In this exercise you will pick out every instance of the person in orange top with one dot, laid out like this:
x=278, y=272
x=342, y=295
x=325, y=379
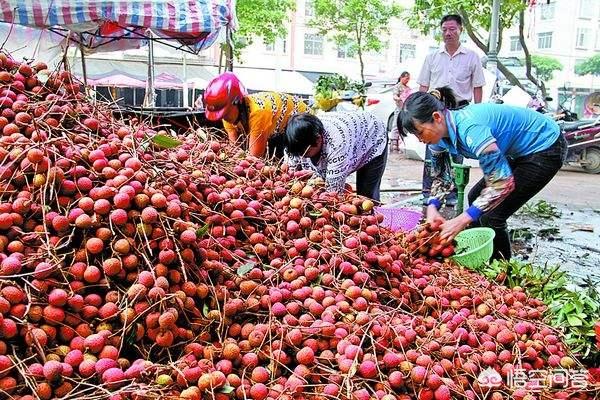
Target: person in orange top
x=259, y=118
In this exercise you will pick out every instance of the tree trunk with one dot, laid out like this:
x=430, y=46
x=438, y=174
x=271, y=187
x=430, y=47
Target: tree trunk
x=360, y=53
x=539, y=83
x=362, y=65
x=501, y=67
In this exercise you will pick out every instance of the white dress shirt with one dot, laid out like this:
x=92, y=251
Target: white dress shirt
x=461, y=72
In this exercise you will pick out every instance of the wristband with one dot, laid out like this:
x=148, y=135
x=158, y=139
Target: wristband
x=474, y=212
x=435, y=202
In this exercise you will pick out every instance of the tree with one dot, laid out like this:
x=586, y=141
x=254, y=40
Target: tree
x=356, y=25
x=425, y=16
x=265, y=19
x=590, y=66
x=545, y=66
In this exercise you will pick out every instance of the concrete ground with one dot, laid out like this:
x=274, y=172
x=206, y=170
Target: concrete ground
x=571, y=186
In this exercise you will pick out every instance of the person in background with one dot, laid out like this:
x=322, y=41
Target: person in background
x=336, y=144
x=259, y=118
x=457, y=67
x=519, y=151
x=400, y=93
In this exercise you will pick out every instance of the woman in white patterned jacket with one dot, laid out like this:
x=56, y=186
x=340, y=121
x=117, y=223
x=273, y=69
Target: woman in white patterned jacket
x=335, y=145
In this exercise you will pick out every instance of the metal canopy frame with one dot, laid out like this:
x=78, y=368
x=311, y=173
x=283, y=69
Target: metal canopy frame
x=137, y=35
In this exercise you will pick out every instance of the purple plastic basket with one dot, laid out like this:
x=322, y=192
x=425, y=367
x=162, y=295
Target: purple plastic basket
x=400, y=219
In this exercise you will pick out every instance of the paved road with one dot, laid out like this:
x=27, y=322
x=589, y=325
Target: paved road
x=571, y=186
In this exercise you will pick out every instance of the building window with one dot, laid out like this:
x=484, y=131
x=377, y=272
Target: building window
x=585, y=9
x=407, y=52
x=515, y=43
x=313, y=44
x=598, y=40
x=545, y=40
x=583, y=38
x=279, y=46
x=547, y=11
x=578, y=62
x=345, y=52
x=309, y=8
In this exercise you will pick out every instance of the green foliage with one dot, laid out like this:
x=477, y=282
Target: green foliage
x=540, y=209
x=329, y=87
x=264, y=19
x=545, y=66
x=573, y=311
x=590, y=66
x=425, y=15
x=357, y=25
x=165, y=141
x=577, y=312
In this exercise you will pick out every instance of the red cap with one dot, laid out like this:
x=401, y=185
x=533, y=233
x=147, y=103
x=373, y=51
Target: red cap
x=222, y=93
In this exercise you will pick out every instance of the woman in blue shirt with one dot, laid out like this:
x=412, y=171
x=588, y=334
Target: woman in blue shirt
x=519, y=152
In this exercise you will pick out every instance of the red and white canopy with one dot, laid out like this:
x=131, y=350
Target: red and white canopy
x=195, y=25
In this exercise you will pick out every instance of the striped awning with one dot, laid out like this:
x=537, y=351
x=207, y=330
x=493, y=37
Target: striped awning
x=195, y=25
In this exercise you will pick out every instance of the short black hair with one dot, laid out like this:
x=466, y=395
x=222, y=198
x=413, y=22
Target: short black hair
x=452, y=17
x=302, y=132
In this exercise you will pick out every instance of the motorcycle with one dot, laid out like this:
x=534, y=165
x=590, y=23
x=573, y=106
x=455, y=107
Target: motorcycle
x=582, y=136
x=583, y=139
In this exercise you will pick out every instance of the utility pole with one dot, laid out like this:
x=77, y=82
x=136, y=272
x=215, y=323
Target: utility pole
x=150, y=98
x=494, y=33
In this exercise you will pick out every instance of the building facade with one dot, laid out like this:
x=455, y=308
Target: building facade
x=568, y=30
x=303, y=49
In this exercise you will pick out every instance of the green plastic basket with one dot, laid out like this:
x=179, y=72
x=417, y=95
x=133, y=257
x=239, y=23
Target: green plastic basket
x=475, y=247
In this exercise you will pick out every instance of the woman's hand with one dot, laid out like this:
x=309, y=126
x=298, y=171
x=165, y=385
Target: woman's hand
x=454, y=226
x=434, y=215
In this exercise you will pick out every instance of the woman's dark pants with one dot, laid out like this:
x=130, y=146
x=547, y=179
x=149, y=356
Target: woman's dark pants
x=368, y=178
x=531, y=174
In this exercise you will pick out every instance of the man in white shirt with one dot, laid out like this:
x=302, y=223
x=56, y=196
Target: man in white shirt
x=454, y=66
x=336, y=144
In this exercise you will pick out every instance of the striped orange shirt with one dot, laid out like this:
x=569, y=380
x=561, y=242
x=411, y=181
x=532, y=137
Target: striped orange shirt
x=268, y=115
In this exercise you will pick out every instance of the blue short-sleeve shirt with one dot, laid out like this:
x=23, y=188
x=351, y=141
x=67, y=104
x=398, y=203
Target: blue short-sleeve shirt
x=516, y=131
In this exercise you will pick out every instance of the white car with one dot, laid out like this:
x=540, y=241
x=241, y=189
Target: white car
x=381, y=103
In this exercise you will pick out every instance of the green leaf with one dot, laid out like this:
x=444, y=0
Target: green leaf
x=165, y=141
x=317, y=281
x=578, y=306
x=261, y=20
x=574, y=320
x=568, y=308
x=227, y=389
x=245, y=268
x=200, y=232
x=205, y=309
x=131, y=336
x=590, y=66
